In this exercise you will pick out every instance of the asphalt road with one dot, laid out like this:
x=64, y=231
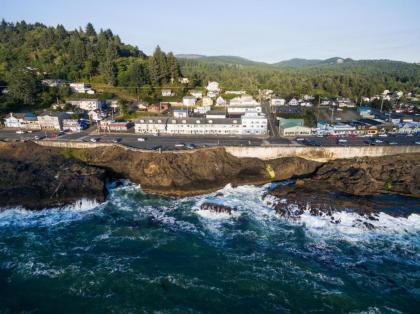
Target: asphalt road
x=181, y=142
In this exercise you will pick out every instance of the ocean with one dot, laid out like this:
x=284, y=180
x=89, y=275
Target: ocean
x=140, y=253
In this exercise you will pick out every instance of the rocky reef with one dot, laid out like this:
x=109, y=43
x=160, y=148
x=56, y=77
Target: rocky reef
x=356, y=185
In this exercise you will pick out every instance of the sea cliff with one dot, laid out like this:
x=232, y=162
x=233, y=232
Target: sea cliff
x=36, y=176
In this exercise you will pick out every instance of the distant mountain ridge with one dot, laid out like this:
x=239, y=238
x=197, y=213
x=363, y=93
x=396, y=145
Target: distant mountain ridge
x=291, y=63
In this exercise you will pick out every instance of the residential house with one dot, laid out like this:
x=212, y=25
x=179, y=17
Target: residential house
x=212, y=94
x=254, y=123
x=189, y=100
x=220, y=101
x=235, y=92
x=197, y=94
x=12, y=121
x=162, y=107
x=213, y=87
x=293, y=102
x=202, y=109
x=52, y=121
x=180, y=113
x=53, y=82
x=114, y=126
x=81, y=88
x=167, y=93
x=207, y=101
x=86, y=104
x=274, y=102
x=293, y=127
x=183, y=80
x=345, y=103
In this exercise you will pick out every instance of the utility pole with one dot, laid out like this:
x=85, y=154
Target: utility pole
x=382, y=103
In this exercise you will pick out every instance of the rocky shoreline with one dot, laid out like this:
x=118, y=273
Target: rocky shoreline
x=37, y=177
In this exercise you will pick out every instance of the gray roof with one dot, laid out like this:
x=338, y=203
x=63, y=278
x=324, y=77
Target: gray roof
x=145, y=120
x=204, y=121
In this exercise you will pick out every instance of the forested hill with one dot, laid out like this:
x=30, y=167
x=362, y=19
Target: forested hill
x=76, y=55
x=331, y=77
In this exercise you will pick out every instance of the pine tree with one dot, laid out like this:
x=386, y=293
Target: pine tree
x=173, y=66
x=108, y=66
x=90, y=30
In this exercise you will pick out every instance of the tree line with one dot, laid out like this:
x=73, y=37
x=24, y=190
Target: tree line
x=30, y=52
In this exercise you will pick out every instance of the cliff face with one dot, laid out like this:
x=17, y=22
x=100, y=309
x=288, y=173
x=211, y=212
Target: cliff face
x=36, y=177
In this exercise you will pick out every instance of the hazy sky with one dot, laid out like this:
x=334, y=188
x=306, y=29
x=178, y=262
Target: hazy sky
x=263, y=30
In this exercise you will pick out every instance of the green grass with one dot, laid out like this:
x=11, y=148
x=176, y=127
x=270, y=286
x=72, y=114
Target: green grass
x=74, y=153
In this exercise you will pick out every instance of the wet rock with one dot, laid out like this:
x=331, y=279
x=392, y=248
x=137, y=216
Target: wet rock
x=217, y=208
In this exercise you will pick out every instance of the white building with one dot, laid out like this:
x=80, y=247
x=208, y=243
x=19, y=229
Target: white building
x=71, y=125
x=180, y=113
x=254, y=124
x=184, y=80
x=220, y=101
x=235, y=92
x=151, y=125
x=213, y=87
x=189, y=100
x=196, y=93
x=207, y=101
x=167, y=93
x=215, y=115
x=81, y=88
x=242, y=109
x=296, y=131
x=275, y=102
x=52, y=121
x=202, y=109
x=86, y=104
x=12, y=122
x=243, y=100
x=293, y=102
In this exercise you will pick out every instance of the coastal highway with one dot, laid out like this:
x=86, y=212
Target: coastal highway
x=180, y=142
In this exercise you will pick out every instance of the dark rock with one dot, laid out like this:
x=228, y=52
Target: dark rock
x=217, y=208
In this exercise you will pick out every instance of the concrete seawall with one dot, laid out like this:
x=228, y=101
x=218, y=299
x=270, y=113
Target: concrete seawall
x=320, y=153
x=271, y=152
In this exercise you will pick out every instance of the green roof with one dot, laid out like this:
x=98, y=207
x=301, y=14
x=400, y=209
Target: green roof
x=288, y=123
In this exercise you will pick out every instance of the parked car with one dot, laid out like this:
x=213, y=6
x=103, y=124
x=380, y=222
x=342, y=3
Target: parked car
x=378, y=141
x=20, y=132
x=116, y=140
x=393, y=143
x=300, y=139
x=179, y=145
x=158, y=147
x=141, y=139
x=191, y=146
x=342, y=140
x=94, y=140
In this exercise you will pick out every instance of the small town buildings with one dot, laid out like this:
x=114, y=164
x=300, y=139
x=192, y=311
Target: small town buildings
x=293, y=102
x=207, y=101
x=151, y=125
x=220, y=101
x=53, y=82
x=52, y=121
x=189, y=101
x=184, y=80
x=235, y=92
x=242, y=109
x=86, y=104
x=114, y=126
x=30, y=122
x=212, y=94
x=202, y=109
x=345, y=103
x=12, y=121
x=161, y=107
x=305, y=104
x=254, y=123
x=95, y=115
x=180, y=113
x=215, y=115
x=75, y=125
x=81, y=88
x=243, y=100
x=274, y=102
x=167, y=93
x=293, y=127
x=197, y=94
x=365, y=112
x=213, y=87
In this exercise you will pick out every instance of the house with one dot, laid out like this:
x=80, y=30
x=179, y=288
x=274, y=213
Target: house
x=53, y=82
x=52, y=121
x=81, y=88
x=207, y=101
x=202, y=109
x=266, y=93
x=189, y=100
x=30, y=122
x=365, y=99
x=243, y=100
x=345, y=103
x=213, y=87
x=254, y=123
x=167, y=93
x=235, y=92
x=180, y=113
x=293, y=102
x=141, y=106
x=274, y=102
x=242, y=109
x=150, y=125
x=115, y=126
x=75, y=125
x=95, y=115
x=161, y=107
x=183, y=80
x=86, y=104
x=12, y=121
x=212, y=94
x=220, y=101
x=197, y=93
x=215, y=115
x=306, y=104
x=293, y=127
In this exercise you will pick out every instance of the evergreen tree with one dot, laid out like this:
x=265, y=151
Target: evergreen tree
x=173, y=67
x=108, y=66
x=24, y=86
x=90, y=30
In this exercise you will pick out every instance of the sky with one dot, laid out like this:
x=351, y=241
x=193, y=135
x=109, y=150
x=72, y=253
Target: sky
x=261, y=30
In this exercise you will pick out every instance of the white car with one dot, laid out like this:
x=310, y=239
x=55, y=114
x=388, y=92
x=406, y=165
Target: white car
x=393, y=143
x=383, y=135
x=342, y=140
x=378, y=141
x=20, y=132
x=179, y=145
x=93, y=140
x=300, y=139
x=141, y=139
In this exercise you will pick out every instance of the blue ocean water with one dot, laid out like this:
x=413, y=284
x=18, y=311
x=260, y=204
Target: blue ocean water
x=138, y=253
